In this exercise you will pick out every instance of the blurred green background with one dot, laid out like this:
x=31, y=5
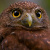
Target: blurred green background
x=43, y=3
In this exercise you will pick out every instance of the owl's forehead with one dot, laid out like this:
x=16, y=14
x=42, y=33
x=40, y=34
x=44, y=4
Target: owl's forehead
x=24, y=5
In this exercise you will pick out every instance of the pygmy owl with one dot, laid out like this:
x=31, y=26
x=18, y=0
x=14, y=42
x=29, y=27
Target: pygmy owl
x=24, y=26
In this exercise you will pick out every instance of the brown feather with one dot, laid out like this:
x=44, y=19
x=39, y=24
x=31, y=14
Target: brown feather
x=18, y=38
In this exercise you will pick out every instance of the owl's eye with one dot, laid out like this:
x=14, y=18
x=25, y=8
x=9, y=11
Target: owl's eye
x=38, y=14
x=16, y=14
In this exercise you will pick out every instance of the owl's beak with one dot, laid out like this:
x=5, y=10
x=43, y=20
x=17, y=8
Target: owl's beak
x=29, y=19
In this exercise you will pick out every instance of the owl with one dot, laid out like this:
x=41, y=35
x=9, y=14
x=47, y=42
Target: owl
x=24, y=26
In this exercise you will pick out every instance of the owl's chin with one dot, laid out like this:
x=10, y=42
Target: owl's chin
x=26, y=27
x=31, y=28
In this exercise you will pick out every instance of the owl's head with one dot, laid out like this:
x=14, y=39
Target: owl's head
x=26, y=15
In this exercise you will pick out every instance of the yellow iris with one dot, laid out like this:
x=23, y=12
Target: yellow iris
x=40, y=15
x=16, y=14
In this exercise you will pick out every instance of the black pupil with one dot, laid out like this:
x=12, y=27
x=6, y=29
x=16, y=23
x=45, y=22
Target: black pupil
x=38, y=14
x=16, y=13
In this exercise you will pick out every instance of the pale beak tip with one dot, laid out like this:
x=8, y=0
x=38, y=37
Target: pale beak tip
x=30, y=24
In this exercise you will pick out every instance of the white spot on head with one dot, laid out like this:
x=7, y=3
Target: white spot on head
x=25, y=2
x=22, y=2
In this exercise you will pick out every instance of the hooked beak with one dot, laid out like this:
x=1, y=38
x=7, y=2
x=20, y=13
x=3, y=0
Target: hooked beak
x=29, y=19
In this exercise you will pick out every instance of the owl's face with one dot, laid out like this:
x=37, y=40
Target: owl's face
x=26, y=15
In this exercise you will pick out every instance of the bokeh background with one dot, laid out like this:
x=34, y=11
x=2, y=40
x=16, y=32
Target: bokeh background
x=43, y=3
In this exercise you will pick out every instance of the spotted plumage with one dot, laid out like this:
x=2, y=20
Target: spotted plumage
x=24, y=26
